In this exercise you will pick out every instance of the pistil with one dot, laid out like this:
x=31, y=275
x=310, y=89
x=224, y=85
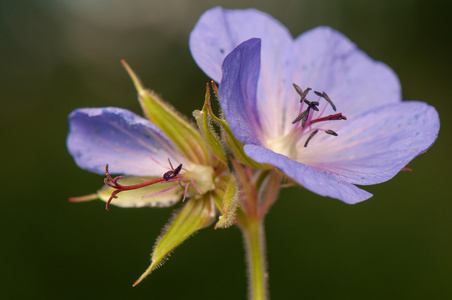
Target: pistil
x=170, y=176
x=334, y=117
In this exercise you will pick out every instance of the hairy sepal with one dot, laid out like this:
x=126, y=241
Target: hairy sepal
x=229, y=193
x=181, y=132
x=196, y=214
x=234, y=145
x=204, y=122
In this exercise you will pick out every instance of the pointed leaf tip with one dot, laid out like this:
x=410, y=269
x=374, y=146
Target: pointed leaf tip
x=136, y=81
x=146, y=273
x=195, y=215
x=208, y=133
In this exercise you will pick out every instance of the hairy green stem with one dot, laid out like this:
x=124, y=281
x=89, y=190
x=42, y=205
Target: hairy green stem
x=254, y=238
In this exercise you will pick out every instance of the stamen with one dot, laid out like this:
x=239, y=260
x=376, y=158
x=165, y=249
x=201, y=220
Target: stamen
x=298, y=89
x=310, y=137
x=169, y=173
x=303, y=116
x=171, y=165
x=185, y=192
x=160, y=192
x=172, y=173
x=300, y=92
x=303, y=123
x=325, y=96
x=308, y=119
x=194, y=185
x=312, y=104
x=329, y=131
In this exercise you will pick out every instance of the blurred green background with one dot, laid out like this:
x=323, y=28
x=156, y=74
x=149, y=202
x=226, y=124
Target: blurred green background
x=60, y=55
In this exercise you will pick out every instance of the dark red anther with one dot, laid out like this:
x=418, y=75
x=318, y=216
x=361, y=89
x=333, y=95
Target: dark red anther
x=173, y=173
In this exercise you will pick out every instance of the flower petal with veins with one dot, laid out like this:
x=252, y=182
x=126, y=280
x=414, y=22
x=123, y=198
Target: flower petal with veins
x=130, y=144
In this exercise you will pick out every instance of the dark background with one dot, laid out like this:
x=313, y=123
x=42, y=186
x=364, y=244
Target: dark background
x=56, y=56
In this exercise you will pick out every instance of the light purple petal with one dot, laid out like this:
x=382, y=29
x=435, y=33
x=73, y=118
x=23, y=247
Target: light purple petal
x=218, y=31
x=319, y=182
x=238, y=91
x=128, y=143
x=375, y=146
x=326, y=60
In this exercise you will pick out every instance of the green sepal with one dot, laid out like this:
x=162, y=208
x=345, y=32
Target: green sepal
x=203, y=121
x=181, y=132
x=196, y=214
x=235, y=145
x=228, y=192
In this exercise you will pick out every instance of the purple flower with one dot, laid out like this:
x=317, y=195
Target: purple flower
x=257, y=62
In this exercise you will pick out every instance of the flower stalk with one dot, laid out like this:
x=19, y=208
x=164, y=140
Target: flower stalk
x=254, y=240
x=259, y=192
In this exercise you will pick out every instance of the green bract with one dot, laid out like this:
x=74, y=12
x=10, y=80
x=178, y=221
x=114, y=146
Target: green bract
x=195, y=215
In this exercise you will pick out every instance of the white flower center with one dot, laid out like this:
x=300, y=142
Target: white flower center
x=203, y=176
x=283, y=145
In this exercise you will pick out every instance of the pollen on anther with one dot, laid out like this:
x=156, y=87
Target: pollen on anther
x=303, y=116
x=329, y=131
x=172, y=173
x=301, y=93
x=325, y=96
